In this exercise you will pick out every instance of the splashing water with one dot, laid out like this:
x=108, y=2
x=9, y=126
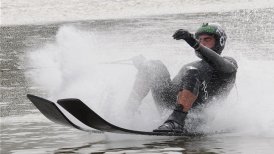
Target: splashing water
x=249, y=109
x=72, y=67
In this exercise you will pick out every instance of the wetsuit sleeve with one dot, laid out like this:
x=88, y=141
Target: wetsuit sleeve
x=222, y=64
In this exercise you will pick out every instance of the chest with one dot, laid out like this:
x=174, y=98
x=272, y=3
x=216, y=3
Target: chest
x=220, y=83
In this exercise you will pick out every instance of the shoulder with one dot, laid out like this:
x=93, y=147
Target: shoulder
x=232, y=60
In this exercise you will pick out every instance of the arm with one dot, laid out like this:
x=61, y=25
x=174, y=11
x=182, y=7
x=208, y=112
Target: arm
x=215, y=60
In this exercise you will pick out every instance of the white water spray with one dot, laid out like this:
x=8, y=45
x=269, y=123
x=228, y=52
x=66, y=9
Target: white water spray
x=249, y=109
x=71, y=67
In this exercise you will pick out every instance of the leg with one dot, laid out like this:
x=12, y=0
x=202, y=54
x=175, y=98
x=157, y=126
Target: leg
x=186, y=97
x=139, y=91
x=190, y=89
x=162, y=89
x=154, y=76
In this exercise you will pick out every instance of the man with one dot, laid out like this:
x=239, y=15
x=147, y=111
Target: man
x=196, y=83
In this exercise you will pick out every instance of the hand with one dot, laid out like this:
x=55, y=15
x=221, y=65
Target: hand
x=182, y=34
x=187, y=36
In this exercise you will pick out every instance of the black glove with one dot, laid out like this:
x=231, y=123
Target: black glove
x=188, y=37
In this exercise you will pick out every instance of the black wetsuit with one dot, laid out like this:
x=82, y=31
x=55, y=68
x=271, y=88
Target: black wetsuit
x=209, y=78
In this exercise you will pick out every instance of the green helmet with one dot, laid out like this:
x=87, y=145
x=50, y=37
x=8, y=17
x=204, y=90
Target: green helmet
x=217, y=31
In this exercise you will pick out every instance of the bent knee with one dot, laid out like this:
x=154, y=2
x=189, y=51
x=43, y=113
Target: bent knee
x=191, y=71
x=157, y=69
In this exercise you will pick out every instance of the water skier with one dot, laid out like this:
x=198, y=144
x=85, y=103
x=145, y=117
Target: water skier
x=196, y=83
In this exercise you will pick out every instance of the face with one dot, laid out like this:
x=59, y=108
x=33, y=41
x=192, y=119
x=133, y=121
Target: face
x=207, y=40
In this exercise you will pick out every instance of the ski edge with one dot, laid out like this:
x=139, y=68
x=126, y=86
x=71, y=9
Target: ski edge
x=89, y=117
x=55, y=115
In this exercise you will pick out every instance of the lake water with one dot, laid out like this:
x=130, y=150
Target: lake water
x=62, y=49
